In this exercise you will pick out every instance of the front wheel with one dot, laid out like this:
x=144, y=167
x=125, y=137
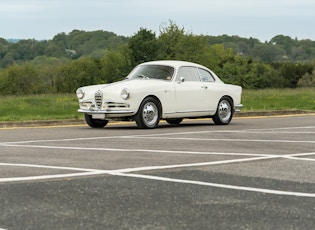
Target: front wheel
x=224, y=113
x=149, y=114
x=95, y=123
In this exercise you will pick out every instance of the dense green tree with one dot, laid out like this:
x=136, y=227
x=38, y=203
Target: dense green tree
x=3, y=47
x=169, y=40
x=284, y=42
x=53, y=50
x=116, y=65
x=264, y=76
x=7, y=60
x=267, y=53
x=19, y=80
x=81, y=72
x=215, y=56
x=191, y=48
x=238, y=71
x=292, y=72
x=48, y=68
x=82, y=58
x=143, y=46
x=307, y=80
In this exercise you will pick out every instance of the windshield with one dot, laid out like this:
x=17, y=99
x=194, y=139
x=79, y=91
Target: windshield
x=152, y=72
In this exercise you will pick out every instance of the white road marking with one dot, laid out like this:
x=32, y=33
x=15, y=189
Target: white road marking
x=122, y=172
x=127, y=171
x=133, y=150
x=149, y=168
x=48, y=167
x=83, y=172
x=168, y=134
x=227, y=140
x=234, y=187
x=47, y=177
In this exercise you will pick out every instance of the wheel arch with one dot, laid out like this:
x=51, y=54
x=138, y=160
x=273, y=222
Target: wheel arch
x=230, y=98
x=158, y=101
x=224, y=112
x=145, y=116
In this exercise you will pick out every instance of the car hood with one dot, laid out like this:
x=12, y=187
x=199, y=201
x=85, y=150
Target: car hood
x=134, y=83
x=112, y=90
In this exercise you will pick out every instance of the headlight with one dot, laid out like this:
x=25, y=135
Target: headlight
x=125, y=94
x=80, y=93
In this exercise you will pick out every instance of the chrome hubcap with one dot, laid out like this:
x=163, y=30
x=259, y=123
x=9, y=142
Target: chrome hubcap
x=225, y=111
x=150, y=113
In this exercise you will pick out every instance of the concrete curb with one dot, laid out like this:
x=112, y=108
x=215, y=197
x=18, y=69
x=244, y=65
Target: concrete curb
x=8, y=124
x=273, y=113
x=36, y=123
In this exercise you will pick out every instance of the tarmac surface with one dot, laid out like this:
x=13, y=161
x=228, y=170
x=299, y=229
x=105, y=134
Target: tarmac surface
x=256, y=173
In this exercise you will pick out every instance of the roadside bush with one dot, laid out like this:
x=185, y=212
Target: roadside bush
x=21, y=80
x=85, y=71
x=308, y=80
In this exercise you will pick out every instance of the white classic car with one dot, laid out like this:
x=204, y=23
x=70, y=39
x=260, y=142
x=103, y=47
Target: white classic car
x=170, y=90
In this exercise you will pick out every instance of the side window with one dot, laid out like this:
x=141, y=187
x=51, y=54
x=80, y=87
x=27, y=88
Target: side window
x=189, y=73
x=205, y=75
x=162, y=74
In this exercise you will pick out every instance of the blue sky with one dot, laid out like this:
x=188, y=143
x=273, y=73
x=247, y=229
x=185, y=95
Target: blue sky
x=261, y=19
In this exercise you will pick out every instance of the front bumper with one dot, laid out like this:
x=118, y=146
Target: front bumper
x=109, y=108
x=122, y=112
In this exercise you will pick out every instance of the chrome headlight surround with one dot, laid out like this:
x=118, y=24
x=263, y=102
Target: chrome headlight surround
x=125, y=93
x=80, y=93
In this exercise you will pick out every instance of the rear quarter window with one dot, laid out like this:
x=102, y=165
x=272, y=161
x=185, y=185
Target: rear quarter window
x=205, y=75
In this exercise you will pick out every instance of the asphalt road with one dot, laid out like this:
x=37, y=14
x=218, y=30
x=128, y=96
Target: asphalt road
x=256, y=173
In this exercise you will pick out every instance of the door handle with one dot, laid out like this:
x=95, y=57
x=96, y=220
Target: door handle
x=204, y=87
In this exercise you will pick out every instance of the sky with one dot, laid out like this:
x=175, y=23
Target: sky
x=261, y=19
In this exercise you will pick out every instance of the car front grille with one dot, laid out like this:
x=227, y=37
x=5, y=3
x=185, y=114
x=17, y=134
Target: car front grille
x=115, y=105
x=98, y=99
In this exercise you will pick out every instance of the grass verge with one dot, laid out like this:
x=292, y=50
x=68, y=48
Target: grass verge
x=64, y=106
x=39, y=107
x=279, y=99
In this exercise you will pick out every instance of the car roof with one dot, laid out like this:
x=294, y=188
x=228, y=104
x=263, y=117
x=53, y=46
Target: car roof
x=177, y=64
x=173, y=63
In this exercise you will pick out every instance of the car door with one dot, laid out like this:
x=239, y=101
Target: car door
x=213, y=90
x=192, y=95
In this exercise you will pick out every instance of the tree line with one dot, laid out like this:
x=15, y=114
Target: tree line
x=69, y=61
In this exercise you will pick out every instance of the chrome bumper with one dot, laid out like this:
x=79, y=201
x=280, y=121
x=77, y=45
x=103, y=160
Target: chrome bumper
x=237, y=108
x=105, y=111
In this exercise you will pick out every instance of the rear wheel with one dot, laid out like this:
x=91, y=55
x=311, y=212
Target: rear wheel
x=224, y=112
x=149, y=113
x=174, y=121
x=95, y=123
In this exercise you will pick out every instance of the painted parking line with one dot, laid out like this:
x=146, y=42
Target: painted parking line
x=130, y=172
x=154, y=136
x=228, y=140
x=126, y=173
x=82, y=172
x=208, y=184
x=262, y=131
x=133, y=150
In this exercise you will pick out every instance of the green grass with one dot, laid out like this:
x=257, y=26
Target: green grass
x=279, y=99
x=39, y=107
x=64, y=106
